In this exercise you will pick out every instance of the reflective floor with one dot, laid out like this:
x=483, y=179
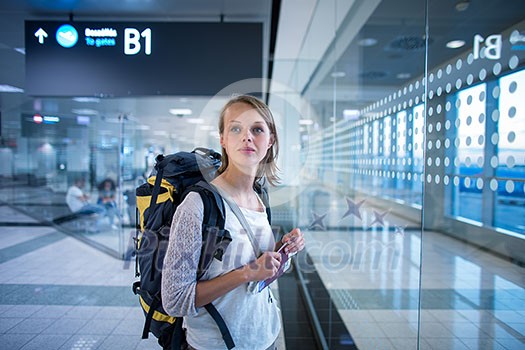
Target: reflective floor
x=57, y=292
x=470, y=299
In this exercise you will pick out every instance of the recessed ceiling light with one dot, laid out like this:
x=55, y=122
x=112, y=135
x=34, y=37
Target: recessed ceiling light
x=367, y=42
x=403, y=76
x=305, y=122
x=351, y=114
x=83, y=120
x=338, y=74
x=86, y=99
x=9, y=88
x=180, y=111
x=194, y=120
x=455, y=44
x=462, y=5
x=85, y=111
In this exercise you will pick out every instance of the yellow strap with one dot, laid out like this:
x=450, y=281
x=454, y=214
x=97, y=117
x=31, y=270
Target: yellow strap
x=157, y=316
x=163, y=183
x=143, y=202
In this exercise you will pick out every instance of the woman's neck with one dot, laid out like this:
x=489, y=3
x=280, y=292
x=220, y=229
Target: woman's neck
x=236, y=181
x=239, y=186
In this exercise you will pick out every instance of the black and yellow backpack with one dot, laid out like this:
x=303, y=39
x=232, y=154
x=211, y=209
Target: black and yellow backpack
x=174, y=176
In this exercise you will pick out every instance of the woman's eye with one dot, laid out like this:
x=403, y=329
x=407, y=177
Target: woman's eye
x=258, y=130
x=235, y=129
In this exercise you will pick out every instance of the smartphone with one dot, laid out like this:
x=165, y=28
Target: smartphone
x=281, y=249
x=284, y=266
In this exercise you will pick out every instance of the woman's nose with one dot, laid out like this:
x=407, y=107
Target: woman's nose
x=247, y=136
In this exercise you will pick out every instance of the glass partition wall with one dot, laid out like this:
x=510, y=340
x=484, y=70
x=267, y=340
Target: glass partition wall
x=402, y=155
x=53, y=144
x=472, y=286
x=409, y=182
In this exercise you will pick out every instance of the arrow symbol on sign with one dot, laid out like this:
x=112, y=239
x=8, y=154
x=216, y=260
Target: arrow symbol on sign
x=41, y=34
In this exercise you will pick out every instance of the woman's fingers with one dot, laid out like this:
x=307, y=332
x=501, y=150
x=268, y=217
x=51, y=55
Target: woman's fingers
x=295, y=241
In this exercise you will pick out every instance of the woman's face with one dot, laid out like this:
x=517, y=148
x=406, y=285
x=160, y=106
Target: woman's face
x=246, y=137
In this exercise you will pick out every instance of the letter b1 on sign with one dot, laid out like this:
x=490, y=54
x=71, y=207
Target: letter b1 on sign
x=132, y=44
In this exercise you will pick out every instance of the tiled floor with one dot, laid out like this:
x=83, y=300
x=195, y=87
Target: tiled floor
x=377, y=282
x=57, y=292
x=469, y=299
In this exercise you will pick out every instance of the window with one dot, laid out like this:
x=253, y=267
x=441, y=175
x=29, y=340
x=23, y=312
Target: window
x=510, y=160
x=469, y=142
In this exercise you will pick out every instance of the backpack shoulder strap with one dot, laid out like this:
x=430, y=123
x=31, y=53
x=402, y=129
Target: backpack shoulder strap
x=262, y=191
x=214, y=211
x=214, y=237
x=160, y=164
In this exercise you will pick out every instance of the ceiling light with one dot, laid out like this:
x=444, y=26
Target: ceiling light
x=338, y=74
x=85, y=111
x=21, y=50
x=86, y=99
x=306, y=122
x=195, y=120
x=83, y=120
x=351, y=114
x=367, y=42
x=180, y=111
x=9, y=88
x=207, y=127
x=455, y=44
x=462, y=5
x=403, y=76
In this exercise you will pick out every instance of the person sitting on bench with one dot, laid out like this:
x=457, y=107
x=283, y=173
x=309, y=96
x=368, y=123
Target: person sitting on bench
x=78, y=201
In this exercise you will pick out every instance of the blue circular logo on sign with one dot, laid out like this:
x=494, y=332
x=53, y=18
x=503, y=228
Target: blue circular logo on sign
x=67, y=36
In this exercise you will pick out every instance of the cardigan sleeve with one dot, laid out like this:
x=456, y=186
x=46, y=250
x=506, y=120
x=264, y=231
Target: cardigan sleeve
x=179, y=272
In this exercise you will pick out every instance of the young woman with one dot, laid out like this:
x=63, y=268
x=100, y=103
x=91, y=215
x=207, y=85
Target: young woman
x=249, y=149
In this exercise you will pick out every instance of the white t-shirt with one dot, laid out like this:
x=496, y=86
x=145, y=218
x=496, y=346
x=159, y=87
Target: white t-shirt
x=73, y=198
x=252, y=319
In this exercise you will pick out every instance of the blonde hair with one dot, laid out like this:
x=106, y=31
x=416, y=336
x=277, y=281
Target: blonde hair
x=267, y=167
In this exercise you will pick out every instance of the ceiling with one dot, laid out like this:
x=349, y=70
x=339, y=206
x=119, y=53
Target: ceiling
x=397, y=55
x=150, y=114
x=309, y=57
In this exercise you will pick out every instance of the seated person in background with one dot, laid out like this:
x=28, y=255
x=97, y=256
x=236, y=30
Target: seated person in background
x=78, y=201
x=106, y=198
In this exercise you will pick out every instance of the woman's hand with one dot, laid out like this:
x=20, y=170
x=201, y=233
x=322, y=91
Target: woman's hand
x=264, y=267
x=294, y=240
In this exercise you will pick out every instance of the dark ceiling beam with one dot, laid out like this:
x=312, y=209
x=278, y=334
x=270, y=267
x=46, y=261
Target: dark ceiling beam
x=274, y=24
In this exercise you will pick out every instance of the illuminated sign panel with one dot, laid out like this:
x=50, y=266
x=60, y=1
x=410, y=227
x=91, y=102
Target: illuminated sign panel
x=136, y=58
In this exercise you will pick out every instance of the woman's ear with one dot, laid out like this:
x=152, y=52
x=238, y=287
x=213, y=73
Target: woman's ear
x=272, y=140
